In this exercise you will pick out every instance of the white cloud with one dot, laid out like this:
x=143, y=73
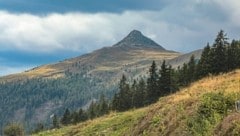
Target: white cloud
x=181, y=28
x=6, y=70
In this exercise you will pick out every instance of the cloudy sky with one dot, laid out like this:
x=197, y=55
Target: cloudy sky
x=36, y=32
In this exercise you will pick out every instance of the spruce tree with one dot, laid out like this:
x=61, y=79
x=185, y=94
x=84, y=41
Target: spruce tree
x=191, y=70
x=134, y=93
x=152, y=84
x=141, y=94
x=203, y=66
x=92, y=110
x=164, y=82
x=182, y=75
x=124, y=95
x=55, y=121
x=115, y=102
x=232, y=56
x=66, y=119
x=123, y=99
x=103, y=105
x=75, y=118
x=82, y=115
x=218, y=54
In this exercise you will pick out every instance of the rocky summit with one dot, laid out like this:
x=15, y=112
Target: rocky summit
x=136, y=39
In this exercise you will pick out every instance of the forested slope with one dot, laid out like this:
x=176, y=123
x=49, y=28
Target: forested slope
x=206, y=107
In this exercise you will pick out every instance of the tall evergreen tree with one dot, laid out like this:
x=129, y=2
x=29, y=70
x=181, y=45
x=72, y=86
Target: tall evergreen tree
x=55, y=121
x=164, y=82
x=92, y=110
x=134, y=93
x=124, y=95
x=203, y=66
x=115, y=102
x=218, y=54
x=66, y=119
x=103, y=105
x=140, y=97
x=152, y=84
x=75, y=117
x=191, y=70
x=182, y=75
x=82, y=115
x=232, y=56
x=123, y=99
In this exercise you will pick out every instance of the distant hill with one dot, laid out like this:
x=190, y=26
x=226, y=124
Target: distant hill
x=34, y=95
x=178, y=61
x=194, y=110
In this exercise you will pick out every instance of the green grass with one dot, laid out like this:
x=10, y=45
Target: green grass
x=114, y=124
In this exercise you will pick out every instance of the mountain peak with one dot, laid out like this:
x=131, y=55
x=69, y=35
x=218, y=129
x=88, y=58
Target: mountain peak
x=136, y=39
x=135, y=33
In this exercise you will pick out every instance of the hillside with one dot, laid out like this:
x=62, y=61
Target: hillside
x=176, y=114
x=77, y=81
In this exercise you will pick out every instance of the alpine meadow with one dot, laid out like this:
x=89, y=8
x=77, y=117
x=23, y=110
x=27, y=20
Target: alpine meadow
x=124, y=68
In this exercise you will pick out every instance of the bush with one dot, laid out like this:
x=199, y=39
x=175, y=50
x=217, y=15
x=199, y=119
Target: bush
x=213, y=107
x=13, y=130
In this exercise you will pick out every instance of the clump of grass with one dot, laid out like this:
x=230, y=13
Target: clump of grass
x=212, y=109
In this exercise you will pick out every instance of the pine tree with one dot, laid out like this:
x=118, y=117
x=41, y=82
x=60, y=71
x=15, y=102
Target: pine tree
x=66, y=119
x=218, y=54
x=134, y=94
x=115, y=102
x=75, y=118
x=142, y=93
x=191, y=70
x=124, y=95
x=152, y=84
x=82, y=115
x=204, y=67
x=123, y=99
x=164, y=82
x=182, y=75
x=55, y=121
x=103, y=105
x=232, y=56
x=92, y=110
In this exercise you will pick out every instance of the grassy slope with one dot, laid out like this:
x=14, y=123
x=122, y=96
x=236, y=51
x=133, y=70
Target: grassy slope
x=169, y=116
x=103, y=60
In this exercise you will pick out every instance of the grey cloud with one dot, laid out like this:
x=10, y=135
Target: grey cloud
x=183, y=27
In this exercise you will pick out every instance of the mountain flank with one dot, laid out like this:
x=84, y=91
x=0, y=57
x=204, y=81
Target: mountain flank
x=134, y=49
x=174, y=115
x=77, y=81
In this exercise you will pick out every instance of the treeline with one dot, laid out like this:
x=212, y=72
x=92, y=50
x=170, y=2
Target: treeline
x=95, y=109
x=221, y=57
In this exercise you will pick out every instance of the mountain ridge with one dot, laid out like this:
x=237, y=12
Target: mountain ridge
x=134, y=44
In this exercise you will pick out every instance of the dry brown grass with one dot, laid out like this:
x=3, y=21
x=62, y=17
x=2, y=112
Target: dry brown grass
x=168, y=116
